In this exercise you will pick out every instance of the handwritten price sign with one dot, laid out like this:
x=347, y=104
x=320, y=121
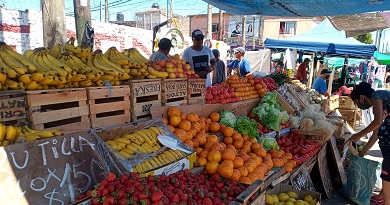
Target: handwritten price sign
x=52, y=171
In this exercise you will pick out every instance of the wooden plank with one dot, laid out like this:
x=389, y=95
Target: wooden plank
x=140, y=88
x=326, y=179
x=337, y=160
x=44, y=117
x=196, y=100
x=176, y=103
x=103, y=92
x=55, y=98
x=12, y=108
x=109, y=107
x=174, y=88
x=81, y=126
x=110, y=120
x=250, y=191
x=142, y=109
x=272, y=175
x=12, y=94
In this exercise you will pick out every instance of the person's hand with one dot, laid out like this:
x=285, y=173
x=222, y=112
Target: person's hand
x=361, y=154
x=202, y=74
x=355, y=137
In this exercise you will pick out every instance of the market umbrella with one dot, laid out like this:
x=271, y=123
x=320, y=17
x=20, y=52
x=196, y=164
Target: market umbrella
x=382, y=58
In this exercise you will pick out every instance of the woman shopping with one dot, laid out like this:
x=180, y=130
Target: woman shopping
x=365, y=97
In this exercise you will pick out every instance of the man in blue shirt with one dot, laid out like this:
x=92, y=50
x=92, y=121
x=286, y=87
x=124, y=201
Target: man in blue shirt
x=320, y=84
x=241, y=63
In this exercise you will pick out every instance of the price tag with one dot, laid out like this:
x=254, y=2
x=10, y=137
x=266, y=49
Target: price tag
x=285, y=131
x=270, y=134
x=302, y=180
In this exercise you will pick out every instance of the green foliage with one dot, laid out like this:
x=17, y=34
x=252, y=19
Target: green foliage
x=365, y=38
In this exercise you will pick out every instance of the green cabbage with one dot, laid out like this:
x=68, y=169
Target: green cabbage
x=227, y=118
x=269, y=143
x=244, y=125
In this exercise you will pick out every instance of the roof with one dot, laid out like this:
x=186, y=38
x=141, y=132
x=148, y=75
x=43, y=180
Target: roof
x=300, y=7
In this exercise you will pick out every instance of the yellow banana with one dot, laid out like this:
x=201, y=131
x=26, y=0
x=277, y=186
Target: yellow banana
x=47, y=68
x=11, y=73
x=69, y=46
x=31, y=68
x=110, y=64
x=137, y=169
x=140, y=148
x=180, y=153
x=56, y=50
x=168, y=155
x=46, y=80
x=33, y=85
x=116, y=83
x=153, y=163
x=13, y=63
x=84, y=52
x=145, y=136
x=45, y=134
x=37, y=76
x=61, y=71
x=12, y=84
x=134, y=138
x=79, y=77
x=3, y=76
x=125, y=154
x=86, y=83
x=122, y=140
x=30, y=137
x=158, y=162
x=148, y=148
x=10, y=134
x=80, y=63
x=26, y=78
x=100, y=64
x=116, y=57
x=113, y=144
x=128, y=151
x=57, y=132
x=149, y=165
x=174, y=154
x=125, y=76
x=93, y=68
x=22, y=85
x=107, y=77
x=99, y=83
x=28, y=53
x=132, y=148
x=157, y=73
x=3, y=130
x=156, y=130
x=5, y=143
x=59, y=64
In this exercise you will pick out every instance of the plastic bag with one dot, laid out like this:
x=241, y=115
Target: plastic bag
x=361, y=178
x=88, y=36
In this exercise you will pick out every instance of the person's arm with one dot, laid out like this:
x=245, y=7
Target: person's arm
x=299, y=73
x=247, y=66
x=370, y=143
x=324, y=89
x=213, y=65
x=377, y=110
x=230, y=64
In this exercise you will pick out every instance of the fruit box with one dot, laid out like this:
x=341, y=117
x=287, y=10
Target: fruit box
x=280, y=188
x=126, y=165
x=13, y=107
x=346, y=102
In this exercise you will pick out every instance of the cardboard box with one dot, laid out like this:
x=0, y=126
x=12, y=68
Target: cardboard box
x=346, y=102
x=279, y=188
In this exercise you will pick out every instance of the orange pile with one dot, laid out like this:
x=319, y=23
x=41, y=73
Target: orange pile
x=242, y=88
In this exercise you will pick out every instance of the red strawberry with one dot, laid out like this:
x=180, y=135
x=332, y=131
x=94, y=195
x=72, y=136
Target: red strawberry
x=175, y=199
x=111, y=177
x=142, y=196
x=104, y=182
x=156, y=196
x=121, y=194
x=207, y=201
x=150, y=178
x=110, y=199
x=89, y=193
x=122, y=201
x=105, y=192
x=183, y=197
x=215, y=178
x=124, y=178
x=134, y=175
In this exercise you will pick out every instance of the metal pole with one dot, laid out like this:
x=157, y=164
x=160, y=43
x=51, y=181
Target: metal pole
x=106, y=10
x=100, y=10
x=253, y=33
x=209, y=20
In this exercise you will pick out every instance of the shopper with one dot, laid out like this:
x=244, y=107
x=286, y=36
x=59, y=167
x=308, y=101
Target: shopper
x=200, y=57
x=164, y=47
x=320, y=84
x=219, y=74
x=301, y=72
x=365, y=97
x=241, y=64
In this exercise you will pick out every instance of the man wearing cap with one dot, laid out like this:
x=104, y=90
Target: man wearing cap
x=200, y=57
x=241, y=63
x=219, y=74
x=320, y=84
x=164, y=47
x=301, y=72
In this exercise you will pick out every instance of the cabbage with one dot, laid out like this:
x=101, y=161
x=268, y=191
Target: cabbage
x=227, y=118
x=244, y=125
x=269, y=143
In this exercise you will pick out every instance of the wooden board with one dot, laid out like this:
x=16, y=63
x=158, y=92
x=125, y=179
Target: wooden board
x=254, y=189
x=325, y=175
x=144, y=94
x=174, y=91
x=109, y=106
x=50, y=171
x=64, y=109
x=13, y=107
x=285, y=105
x=196, y=88
x=337, y=160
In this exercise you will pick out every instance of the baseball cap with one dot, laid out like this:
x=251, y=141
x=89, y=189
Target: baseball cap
x=197, y=33
x=325, y=71
x=215, y=52
x=165, y=44
x=240, y=49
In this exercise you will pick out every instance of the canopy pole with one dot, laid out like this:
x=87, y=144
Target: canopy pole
x=311, y=72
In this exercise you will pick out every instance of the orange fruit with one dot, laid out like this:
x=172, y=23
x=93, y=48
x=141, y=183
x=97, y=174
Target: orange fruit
x=247, y=142
x=222, y=127
x=189, y=143
x=225, y=170
x=202, y=161
x=229, y=162
x=217, y=146
x=192, y=132
x=212, y=167
x=201, y=138
x=214, y=155
x=289, y=156
x=245, y=180
x=212, y=138
x=228, y=132
x=258, y=160
x=185, y=125
x=277, y=162
x=260, y=152
x=238, y=162
x=236, y=175
x=237, y=136
x=214, y=117
x=255, y=146
x=241, y=151
x=246, y=147
x=228, y=154
x=192, y=117
x=269, y=164
x=249, y=166
x=245, y=137
x=251, y=154
x=288, y=167
x=196, y=126
x=202, y=119
x=165, y=120
x=243, y=171
x=208, y=145
x=198, y=150
x=230, y=146
x=183, y=116
x=228, y=140
x=252, y=177
x=173, y=111
x=238, y=144
x=171, y=128
x=175, y=120
x=208, y=121
x=204, y=153
x=202, y=125
x=244, y=157
x=214, y=127
x=195, y=142
x=253, y=140
x=181, y=134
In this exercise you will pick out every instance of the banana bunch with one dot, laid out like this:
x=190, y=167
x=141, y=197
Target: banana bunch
x=144, y=140
x=12, y=134
x=140, y=68
x=166, y=157
x=79, y=51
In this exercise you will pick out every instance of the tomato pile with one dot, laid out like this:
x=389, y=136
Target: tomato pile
x=220, y=94
x=302, y=149
x=182, y=187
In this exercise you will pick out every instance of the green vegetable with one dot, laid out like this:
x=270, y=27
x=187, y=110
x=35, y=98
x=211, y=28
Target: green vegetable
x=227, y=118
x=244, y=125
x=269, y=143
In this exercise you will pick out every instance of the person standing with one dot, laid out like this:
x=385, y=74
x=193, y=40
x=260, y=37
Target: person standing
x=219, y=74
x=320, y=84
x=301, y=72
x=240, y=62
x=365, y=97
x=200, y=57
x=164, y=47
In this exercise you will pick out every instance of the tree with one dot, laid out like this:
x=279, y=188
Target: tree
x=365, y=38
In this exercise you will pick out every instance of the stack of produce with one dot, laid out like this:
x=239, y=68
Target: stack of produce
x=289, y=198
x=145, y=141
x=237, y=156
x=242, y=88
x=13, y=134
x=267, y=84
x=220, y=94
x=179, y=188
x=172, y=68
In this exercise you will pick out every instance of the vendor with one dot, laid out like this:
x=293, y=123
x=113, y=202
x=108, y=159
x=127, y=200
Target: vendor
x=241, y=63
x=320, y=84
x=301, y=72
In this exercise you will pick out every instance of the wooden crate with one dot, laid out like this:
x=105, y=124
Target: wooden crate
x=255, y=189
x=144, y=94
x=109, y=106
x=13, y=107
x=174, y=91
x=196, y=89
x=63, y=109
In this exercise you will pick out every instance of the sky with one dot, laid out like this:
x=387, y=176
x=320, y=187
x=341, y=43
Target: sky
x=130, y=7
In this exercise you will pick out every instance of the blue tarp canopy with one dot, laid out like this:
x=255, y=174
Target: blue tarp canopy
x=323, y=38
x=300, y=7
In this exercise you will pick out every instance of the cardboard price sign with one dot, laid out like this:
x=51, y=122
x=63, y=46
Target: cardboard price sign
x=302, y=180
x=53, y=171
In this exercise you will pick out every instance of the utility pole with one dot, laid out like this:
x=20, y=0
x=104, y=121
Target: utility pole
x=100, y=10
x=220, y=25
x=253, y=32
x=106, y=12
x=82, y=14
x=243, y=22
x=209, y=20
x=54, y=25
x=261, y=29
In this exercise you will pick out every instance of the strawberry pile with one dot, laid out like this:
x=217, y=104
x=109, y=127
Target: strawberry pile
x=179, y=188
